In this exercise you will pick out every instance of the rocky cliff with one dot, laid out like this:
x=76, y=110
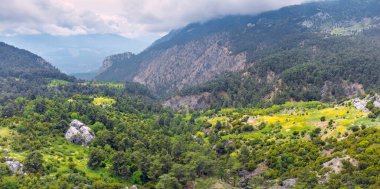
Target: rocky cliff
x=189, y=64
x=114, y=59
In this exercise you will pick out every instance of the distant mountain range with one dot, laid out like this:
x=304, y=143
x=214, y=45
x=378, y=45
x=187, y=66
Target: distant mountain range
x=76, y=54
x=316, y=51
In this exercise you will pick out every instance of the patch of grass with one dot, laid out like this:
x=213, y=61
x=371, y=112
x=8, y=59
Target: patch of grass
x=221, y=119
x=99, y=101
x=114, y=85
x=57, y=83
x=4, y=132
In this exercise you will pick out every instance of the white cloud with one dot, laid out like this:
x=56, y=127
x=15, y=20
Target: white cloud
x=132, y=18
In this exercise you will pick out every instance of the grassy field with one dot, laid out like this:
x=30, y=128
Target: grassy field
x=295, y=118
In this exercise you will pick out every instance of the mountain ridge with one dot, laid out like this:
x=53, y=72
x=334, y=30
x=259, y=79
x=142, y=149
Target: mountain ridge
x=24, y=74
x=201, y=52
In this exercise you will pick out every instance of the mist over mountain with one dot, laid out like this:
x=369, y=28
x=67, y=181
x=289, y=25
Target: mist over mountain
x=265, y=50
x=76, y=53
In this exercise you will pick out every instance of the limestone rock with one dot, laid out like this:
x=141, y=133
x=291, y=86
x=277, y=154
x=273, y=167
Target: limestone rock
x=132, y=187
x=79, y=133
x=289, y=183
x=193, y=102
x=15, y=167
x=376, y=103
x=360, y=103
x=336, y=164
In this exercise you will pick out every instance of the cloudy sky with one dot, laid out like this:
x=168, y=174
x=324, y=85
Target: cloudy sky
x=76, y=35
x=129, y=18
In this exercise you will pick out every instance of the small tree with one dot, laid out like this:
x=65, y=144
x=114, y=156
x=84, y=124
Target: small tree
x=4, y=170
x=120, y=165
x=323, y=118
x=168, y=181
x=34, y=163
x=96, y=159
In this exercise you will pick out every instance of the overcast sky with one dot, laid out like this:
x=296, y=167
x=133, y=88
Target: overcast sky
x=130, y=18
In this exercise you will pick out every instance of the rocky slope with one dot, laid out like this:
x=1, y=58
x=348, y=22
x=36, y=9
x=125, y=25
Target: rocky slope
x=200, y=52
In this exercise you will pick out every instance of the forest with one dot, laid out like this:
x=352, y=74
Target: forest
x=139, y=142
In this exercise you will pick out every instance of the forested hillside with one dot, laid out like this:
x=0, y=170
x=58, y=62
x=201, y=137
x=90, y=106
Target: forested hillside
x=23, y=73
x=321, y=69
x=137, y=142
x=267, y=51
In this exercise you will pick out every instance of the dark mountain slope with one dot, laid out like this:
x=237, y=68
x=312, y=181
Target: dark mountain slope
x=23, y=73
x=16, y=62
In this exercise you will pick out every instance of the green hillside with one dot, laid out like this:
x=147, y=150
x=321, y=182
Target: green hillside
x=139, y=143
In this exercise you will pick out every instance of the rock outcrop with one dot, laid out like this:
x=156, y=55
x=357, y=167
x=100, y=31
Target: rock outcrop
x=132, y=187
x=361, y=103
x=15, y=167
x=195, y=102
x=114, y=59
x=336, y=164
x=79, y=133
x=289, y=183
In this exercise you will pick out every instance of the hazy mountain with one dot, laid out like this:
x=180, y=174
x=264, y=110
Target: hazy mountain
x=79, y=53
x=15, y=62
x=23, y=73
x=265, y=48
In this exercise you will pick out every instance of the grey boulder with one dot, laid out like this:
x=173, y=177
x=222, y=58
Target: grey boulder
x=79, y=133
x=15, y=167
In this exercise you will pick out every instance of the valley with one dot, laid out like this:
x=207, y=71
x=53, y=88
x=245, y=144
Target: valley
x=254, y=146
x=284, y=99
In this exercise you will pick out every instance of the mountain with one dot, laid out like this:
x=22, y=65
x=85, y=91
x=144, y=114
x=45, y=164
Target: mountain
x=311, y=51
x=115, y=59
x=23, y=73
x=79, y=53
x=15, y=62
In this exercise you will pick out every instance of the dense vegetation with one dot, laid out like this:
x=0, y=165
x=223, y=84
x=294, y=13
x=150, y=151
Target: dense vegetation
x=139, y=142
x=242, y=141
x=24, y=73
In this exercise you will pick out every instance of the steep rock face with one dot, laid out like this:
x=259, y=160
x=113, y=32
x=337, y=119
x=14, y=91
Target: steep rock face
x=79, y=133
x=110, y=60
x=347, y=88
x=190, y=64
x=195, y=102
